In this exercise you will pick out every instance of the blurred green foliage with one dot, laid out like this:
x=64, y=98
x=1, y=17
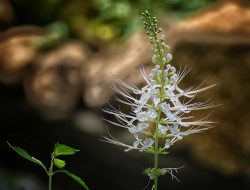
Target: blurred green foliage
x=56, y=32
x=96, y=21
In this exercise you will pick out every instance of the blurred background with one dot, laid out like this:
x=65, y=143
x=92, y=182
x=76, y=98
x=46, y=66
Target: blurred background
x=56, y=59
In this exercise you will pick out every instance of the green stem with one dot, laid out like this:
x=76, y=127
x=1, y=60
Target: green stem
x=156, y=148
x=50, y=172
x=156, y=158
x=50, y=181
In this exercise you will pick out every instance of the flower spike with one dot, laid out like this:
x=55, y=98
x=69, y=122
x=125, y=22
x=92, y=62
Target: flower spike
x=160, y=110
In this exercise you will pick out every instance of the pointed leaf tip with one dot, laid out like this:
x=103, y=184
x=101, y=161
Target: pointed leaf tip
x=27, y=156
x=76, y=178
x=61, y=149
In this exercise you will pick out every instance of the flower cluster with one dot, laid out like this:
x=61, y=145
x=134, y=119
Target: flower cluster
x=160, y=110
x=173, y=124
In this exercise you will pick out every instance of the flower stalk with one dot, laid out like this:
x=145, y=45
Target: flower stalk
x=50, y=171
x=160, y=103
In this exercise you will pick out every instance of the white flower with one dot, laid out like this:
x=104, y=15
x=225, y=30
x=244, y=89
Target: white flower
x=163, y=129
x=169, y=57
x=161, y=102
x=139, y=128
x=168, y=143
x=175, y=104
x=147, y=143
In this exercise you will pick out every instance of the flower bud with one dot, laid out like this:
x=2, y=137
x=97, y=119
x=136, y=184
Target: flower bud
x=169, y=57
x=164, y=60
x=166, y=47
x=173, y=69
x=154, y=59
x=162, y=38
x=168, y=67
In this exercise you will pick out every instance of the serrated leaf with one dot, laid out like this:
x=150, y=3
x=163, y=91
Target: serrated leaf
x=61, y=149
x=59, y=163
x=26, y=155
x=76, y=178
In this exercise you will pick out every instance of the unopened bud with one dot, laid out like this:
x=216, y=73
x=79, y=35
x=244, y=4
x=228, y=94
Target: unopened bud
x=154, y=58
x=167, y=48
x=169, y=57
x=164, y=60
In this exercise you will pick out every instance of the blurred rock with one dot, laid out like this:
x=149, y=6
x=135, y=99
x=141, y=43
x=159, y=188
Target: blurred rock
x=228, y=17
x=6, y=13
x=16, y=52
x=121, y=61
x=53, y=84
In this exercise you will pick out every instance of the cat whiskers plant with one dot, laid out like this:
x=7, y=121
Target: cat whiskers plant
x=59, y=150
x=161, y=110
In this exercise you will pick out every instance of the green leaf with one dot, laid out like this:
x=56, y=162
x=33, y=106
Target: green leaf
x=25, y=155
x=61, y=149
x=76, y=178
x=59, y=163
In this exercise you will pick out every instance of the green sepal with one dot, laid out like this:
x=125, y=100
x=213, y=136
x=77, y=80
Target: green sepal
x=61, y=149
x=162, y=151
x=162, y=121
x=27, y=156
x=147, y=133
x=59, y=163
x=151, y=150
x=151, y=172
x=76, y=178
x=148, y=172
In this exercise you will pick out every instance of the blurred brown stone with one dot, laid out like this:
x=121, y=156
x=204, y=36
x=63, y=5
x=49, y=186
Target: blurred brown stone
x=6, y=13
x=121, y=61
x=16, y=52
x=52, y=85
x=228, y=17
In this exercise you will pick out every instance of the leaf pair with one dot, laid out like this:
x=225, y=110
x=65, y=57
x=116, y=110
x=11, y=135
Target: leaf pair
x=62, y=150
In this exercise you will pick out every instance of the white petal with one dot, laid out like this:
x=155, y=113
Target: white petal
x=148, y=142
x=142, y=126
x=173, y=70
x=162, y=129
x=151, y=114
x=136, y=143
x=156, y=100
x=169, y=57
x=174, y=130
x=154, y=59
x=168, y=143
x=141, y=116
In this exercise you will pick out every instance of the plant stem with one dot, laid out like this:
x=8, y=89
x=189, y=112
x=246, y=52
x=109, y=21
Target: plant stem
x=50, y=172
x=156, y=148
x=156, y=157
x=50, y=181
